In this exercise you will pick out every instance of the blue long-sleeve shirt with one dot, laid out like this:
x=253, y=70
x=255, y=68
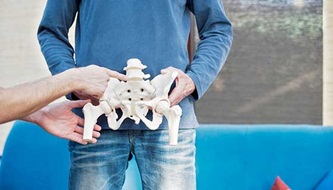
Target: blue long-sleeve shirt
x=109, y=32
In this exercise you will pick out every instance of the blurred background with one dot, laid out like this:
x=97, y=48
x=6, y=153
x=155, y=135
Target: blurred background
x=273, y=73
x=20, y=57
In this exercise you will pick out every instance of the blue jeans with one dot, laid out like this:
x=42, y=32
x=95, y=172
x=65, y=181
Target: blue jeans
x=162, y=167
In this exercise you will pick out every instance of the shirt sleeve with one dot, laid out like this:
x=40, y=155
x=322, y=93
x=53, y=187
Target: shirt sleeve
x=52, y=34
x=215, y=33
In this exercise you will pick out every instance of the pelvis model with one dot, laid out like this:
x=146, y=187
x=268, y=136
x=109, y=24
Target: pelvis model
x=135, y=98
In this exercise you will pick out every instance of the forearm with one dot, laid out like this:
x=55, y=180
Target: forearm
x=22, y=100
x=215, y=32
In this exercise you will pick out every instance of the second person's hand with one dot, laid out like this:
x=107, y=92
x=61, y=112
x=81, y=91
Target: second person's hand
x=59, y=120
x=91, y=81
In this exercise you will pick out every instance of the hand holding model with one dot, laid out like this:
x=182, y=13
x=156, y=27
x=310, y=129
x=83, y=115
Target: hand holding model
x=92, y=86
x=135, y=97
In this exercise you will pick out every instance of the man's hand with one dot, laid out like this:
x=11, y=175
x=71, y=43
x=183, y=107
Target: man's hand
x=184, y=86
x=92, y=81
x=84, y=96
x=59, y=120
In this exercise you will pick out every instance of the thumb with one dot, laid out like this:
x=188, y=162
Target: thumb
x=76, y=138
x=78, y=103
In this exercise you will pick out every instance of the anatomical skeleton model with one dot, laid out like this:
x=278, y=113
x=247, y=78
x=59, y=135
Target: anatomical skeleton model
x=135, y=98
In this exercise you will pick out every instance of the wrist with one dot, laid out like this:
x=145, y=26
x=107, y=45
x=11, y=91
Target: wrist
x=71, y=81
x=192, y=85
x=35, y=117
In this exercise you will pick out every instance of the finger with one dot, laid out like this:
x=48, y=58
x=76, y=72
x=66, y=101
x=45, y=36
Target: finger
x=115, y=74
x=78, y=129
x=97, y=128
x=121, y=77
x=78, y=103
x=174, y=97
x=93, y=141
x=80, y=121
x=77, y=138
x=96, y=134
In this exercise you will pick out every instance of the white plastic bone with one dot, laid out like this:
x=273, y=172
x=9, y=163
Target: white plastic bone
x=135, y=98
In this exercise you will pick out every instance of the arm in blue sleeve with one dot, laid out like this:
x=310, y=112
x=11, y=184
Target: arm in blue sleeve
x=58, y=17
x=215, y=33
